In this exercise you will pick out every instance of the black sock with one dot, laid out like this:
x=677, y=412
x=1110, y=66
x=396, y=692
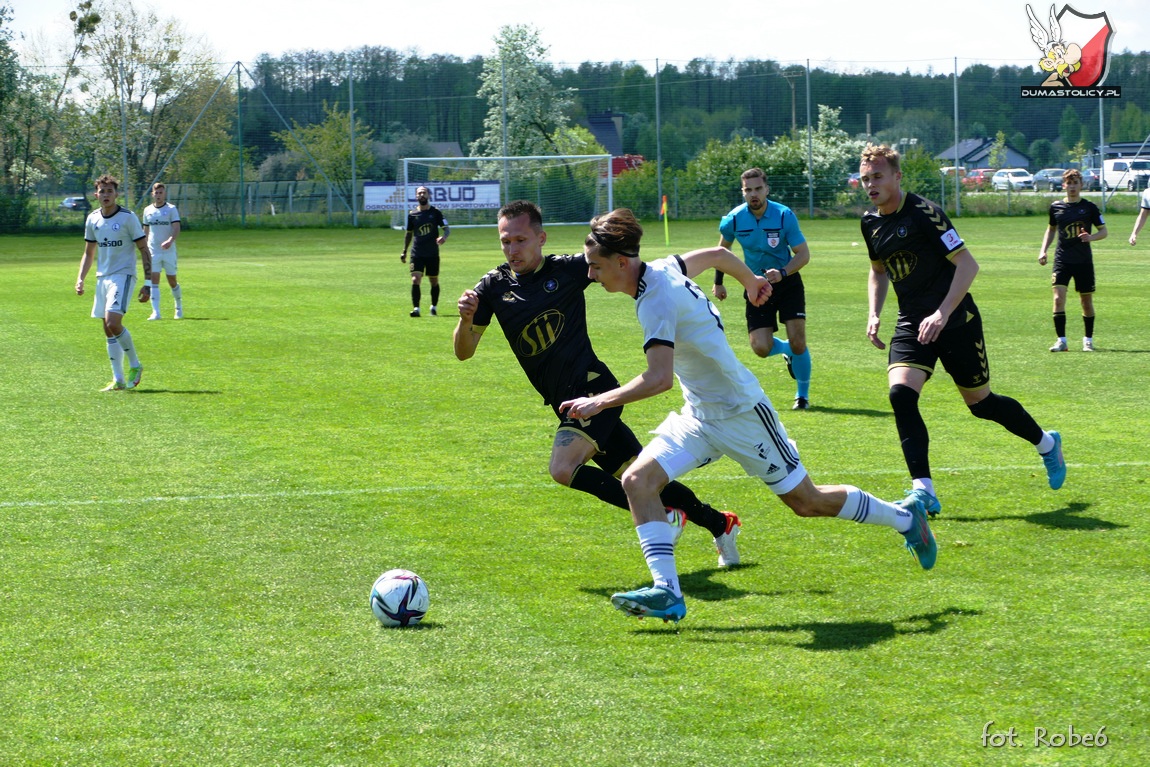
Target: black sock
x=1010, y=414
x=415, y=296
x=596, y=482
x=1060, y=324
x=435, y=294
x=1088, y=322
x=679, y=496
x=911, y=430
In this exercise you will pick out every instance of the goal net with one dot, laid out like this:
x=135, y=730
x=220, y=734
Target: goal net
x=569, y=189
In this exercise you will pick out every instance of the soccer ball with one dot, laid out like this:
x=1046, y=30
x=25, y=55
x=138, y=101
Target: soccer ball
x=399, y=598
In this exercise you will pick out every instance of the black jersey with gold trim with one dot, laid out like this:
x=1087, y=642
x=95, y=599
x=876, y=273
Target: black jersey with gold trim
x=914, y=245
x=1071, y=219
x=543, y=315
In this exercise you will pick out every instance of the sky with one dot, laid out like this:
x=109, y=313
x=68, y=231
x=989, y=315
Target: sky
x=829, y=33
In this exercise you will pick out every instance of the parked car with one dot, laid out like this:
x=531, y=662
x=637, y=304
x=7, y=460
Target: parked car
x=853, y=181
x=978, y=178
x=1091, y=180
x=1012, y=178
x=1131, y=173
x=76, y=203
x=1049, y=179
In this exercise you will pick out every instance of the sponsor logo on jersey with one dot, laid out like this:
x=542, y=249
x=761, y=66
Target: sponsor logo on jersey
x=540, y=334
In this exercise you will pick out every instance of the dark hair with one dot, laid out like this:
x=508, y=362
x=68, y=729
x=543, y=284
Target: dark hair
x=517, y=208
x=753, y=173
x=616, y=232
x=107, y=180
x=1072, y=173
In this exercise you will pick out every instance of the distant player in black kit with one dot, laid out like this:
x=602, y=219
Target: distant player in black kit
x=541, y=308
x=1071, y=220
x=423, y=225
x=912, y=243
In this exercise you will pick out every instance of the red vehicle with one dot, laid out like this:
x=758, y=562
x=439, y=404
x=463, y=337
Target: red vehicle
x=978, y=179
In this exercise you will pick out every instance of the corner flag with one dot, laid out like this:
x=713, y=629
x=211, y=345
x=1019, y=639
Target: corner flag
x=666, y=230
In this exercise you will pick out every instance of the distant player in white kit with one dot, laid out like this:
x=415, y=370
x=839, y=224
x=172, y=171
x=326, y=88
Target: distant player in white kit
x=162, y=225
x=725, y=411
x=112, y=235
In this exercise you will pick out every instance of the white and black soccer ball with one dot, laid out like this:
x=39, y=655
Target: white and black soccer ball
x=399, y=598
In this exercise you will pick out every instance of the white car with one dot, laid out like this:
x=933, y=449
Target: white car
x=1012, y=178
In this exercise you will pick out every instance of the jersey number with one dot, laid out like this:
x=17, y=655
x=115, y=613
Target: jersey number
x=693, y=289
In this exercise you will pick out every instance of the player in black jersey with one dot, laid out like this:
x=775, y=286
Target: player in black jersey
x=423, y=225
x=913, y=245
x=541, y=308
x=1071, y=220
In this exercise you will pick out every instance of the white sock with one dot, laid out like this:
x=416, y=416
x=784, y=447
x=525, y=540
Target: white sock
x=116, y=356
x=861, y=506
x=925, y=483
x=125, y=341
x=156, y=297
x=657, y=540
x=1046, y=444
x=178, y=296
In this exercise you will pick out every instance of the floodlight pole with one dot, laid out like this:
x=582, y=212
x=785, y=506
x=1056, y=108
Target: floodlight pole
x=810, y=150
x=658, y=142
x=240, y=139
x=957, y=180
x=351, y=115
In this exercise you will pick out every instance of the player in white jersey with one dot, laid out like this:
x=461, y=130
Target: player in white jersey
x=1143, y=214
x=162, y=225
x=112, y=235
x=725, y=410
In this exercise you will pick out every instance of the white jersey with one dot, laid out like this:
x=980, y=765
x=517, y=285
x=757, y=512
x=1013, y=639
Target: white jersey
x=1144, y=200
x=159, y=222
x=115, y=237
x=676, y=312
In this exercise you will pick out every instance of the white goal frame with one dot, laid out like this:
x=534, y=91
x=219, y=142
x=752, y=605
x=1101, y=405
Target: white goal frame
x=588, y=180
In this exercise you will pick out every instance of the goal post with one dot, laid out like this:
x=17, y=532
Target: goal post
x=569, y=189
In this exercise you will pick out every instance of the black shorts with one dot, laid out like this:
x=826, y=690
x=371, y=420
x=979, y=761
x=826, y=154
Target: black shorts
x=428, y=265
x=788, y=301
x=961, y=349
x=1083, y=275
x=615, y=443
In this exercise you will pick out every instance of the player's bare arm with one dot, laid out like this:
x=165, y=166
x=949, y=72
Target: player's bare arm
x=85, y=265
x=1098, y=234
x=965, y=269
x=718, y=290
x=878, y=284
x=656, y=379
x=466, y=338
x=698, y=261
x=1047, y=238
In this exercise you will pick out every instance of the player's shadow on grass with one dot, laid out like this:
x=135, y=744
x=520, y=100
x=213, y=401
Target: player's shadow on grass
x=1066, y=518
x=142, y=392
x=851, y=411
x=699, y=585
x=822, y=636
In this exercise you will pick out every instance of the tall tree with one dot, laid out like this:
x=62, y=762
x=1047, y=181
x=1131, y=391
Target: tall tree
x=516, y=76
x=151, y=76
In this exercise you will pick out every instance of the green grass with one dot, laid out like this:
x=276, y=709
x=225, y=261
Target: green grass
x=185, y=569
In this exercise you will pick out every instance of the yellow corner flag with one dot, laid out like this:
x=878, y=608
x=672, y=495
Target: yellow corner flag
x=666, y=229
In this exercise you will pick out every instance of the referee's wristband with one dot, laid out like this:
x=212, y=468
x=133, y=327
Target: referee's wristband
x=718, y=277
x=783, y=271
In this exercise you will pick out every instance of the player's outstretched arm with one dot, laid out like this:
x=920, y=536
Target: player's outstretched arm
x=465, y=339
x=698, y=261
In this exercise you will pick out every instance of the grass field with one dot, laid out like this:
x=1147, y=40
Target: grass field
x=185, y=568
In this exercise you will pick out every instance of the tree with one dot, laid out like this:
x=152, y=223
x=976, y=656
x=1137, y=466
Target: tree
x=151, y=76
x=535, y=108
x=997, y=155
x=1043, y=153
x=329, y=145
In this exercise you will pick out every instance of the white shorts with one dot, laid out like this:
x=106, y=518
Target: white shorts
x=164, y=260
x=113, y=294
x=756, y=439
